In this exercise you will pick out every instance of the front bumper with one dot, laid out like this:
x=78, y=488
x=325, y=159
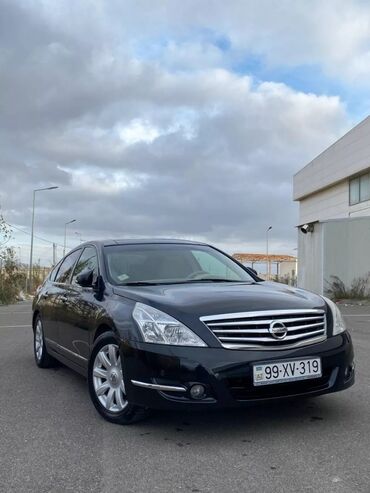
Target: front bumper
x=227, y=374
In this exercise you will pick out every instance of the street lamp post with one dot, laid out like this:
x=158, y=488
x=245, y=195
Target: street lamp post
x=32, y=229
x=267, y=252
x=65, y=234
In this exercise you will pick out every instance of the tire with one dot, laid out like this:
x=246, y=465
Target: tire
x=42, y=357
x=106, y=383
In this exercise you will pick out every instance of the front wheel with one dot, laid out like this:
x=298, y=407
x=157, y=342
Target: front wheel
x=107, y=385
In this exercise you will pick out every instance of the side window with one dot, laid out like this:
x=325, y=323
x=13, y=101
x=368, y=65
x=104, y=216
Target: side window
x=87, y=261
x=365, y=187
x=359, y=189
x=53, y=272
x=66, y=267
x=354, y=191
x=214, y=267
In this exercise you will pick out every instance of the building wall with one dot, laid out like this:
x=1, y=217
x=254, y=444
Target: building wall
x=346, y=250
x=346, y=157
x=361, y=209
x=335, y=248
x=310, y=259
x=340, y=243
x=330, y=203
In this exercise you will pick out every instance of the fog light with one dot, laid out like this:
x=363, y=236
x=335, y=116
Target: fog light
x=349, y=370
x=197, y=391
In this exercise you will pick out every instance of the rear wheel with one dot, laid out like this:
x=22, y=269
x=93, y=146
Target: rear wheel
x=42, y=357
x=107, y=385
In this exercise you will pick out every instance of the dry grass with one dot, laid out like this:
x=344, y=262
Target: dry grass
x=359, y=289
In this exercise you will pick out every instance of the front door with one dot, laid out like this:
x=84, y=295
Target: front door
x=80, y=310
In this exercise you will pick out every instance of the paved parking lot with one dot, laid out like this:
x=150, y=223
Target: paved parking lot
x=52, y=439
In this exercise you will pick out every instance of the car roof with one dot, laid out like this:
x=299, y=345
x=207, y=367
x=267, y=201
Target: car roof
x=145, y=241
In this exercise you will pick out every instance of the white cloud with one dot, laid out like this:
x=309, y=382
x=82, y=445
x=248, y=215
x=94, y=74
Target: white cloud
x=99, y=182
x=138, y=131
x=175, y=143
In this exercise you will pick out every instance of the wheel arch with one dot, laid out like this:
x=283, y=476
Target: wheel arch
x=35, y=314
x=102, y=328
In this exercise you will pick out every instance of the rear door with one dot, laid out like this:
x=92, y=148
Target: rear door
x=60, y=295
x=46, y=304
x=81, y=310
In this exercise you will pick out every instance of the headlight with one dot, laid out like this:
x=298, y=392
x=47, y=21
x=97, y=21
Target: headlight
x=159, y=328
x=339, y=324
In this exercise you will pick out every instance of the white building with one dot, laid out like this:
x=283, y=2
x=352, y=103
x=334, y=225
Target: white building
x=333, y=192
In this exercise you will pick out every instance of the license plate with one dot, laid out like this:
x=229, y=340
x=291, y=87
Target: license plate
x=286, y=371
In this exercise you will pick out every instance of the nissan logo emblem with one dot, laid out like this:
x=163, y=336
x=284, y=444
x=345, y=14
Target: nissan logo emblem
x=278, y=330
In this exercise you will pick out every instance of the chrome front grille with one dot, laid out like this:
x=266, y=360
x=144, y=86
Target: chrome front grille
x=270, y=329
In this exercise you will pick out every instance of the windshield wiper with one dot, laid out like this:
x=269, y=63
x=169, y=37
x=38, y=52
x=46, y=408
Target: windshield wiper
x=139, y=283
x=185, y=281
x=213, y=279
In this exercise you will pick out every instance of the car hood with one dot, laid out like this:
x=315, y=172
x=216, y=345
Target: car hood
x=219, y=298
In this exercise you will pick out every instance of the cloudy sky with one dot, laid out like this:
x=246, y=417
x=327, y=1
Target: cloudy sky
x=172, y=118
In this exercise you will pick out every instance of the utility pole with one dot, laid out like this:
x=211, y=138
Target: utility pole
x=54, y=253
x=267, y=253
x=65, y=234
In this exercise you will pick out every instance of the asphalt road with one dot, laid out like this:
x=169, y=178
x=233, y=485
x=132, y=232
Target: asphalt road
x=52, y=439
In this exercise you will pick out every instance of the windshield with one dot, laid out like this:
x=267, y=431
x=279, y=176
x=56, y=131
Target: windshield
x=170, y=263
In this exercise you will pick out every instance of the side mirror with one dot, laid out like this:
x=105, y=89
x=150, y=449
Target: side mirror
x=85, y=279
x=253, y=271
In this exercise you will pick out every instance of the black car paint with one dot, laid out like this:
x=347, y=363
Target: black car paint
x=74, y=316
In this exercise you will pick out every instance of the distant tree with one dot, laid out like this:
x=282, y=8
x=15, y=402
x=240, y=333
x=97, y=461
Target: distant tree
x=12, y=278
x=5, y=232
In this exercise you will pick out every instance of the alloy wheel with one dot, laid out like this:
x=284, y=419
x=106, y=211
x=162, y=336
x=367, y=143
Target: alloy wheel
x=108, y=379
x=39, y=340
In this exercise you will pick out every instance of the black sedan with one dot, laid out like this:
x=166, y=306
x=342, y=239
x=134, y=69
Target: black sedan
x=161, y=324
